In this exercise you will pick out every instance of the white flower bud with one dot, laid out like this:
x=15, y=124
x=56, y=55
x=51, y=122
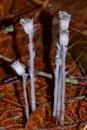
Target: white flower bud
x=18, y=67
x=64, y=20
x=27, y=25
x=64, y=38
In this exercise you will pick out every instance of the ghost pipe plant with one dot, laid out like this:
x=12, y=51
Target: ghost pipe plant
x=20, y=70
x=63, y=40
x=29, y=29
x=60, y=73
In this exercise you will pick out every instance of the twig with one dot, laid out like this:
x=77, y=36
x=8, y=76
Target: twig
x=7, y=100
x=73, y=65
x=73, y=99
x=77, y=30
x=39, y=2
x=12, y=6
x=5, y=58
x=14, y=18
x=66, y=127
x=77, y=80
x=44, y=74
x=85, y=127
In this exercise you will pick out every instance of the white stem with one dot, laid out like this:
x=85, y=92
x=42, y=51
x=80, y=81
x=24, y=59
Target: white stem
x=59, y=95
x=63, y=85
x=25, y=94
x=33, y=94
x=31, y=72
x=56, y=90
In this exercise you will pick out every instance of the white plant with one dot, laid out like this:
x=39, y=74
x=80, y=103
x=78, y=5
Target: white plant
x=18, y=67
x=60, y=73
x=20, y=70
x=63, y=40
x=64, y=20
x=29, y=29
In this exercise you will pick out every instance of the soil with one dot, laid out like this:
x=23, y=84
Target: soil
x=14, y=46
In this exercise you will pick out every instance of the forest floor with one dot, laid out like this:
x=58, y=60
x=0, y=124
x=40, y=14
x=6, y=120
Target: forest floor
x=14, y=46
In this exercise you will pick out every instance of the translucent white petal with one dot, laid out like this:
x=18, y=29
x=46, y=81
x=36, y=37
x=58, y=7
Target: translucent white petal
x=18, y=67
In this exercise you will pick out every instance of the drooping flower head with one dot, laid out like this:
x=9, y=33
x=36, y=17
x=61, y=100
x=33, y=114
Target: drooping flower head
x=18, y=67
x=27, y=25
x=64, y=20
